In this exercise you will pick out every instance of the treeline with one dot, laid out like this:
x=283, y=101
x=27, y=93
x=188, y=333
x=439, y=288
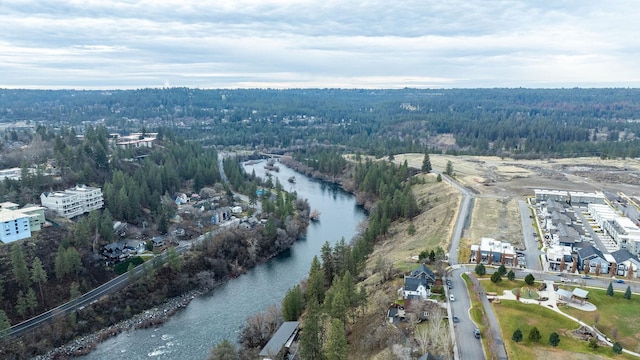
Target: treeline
x=505, y=122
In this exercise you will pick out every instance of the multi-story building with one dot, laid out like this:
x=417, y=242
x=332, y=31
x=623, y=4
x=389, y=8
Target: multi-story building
x=35, y=214
x=73, y=202
x=14, y=226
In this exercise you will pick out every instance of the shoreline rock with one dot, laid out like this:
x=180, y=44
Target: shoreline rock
x=149, y=318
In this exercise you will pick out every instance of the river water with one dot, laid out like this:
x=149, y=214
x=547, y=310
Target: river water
x=209, y=319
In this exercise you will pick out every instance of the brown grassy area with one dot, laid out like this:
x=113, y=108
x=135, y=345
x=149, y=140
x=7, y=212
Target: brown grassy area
x=433, y=226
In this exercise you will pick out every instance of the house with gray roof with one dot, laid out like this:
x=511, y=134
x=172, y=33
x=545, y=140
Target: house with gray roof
x=418, y=283
x=592, y=258
x=625, y=261
x=280, y=343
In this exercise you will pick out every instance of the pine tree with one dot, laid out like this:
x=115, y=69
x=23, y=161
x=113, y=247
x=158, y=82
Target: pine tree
x=426, y=163
x=19, y=264
x=554, y=339
x=617, y=348
x=511, y=275
x=517, y=335
x=480, y=269
x=529, y=279
x=310, y=337
x=174, y=260
x=534, y=334
x=610, y=289
x=336, y=347
x=449, y=169
x=315, y=283
x=38, y=275
x=5, y=324
x=293, y=304
x=627, y=293
x=502, y=270
x=496, y=278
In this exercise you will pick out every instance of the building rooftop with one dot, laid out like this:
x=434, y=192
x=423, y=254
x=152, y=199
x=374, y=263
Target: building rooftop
x=280, y=338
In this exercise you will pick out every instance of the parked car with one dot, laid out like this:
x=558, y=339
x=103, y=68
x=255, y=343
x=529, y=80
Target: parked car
x=476, y=333
x=564, y=279
x=455, y=319
x=619, y=281
x=452, y=298
x=585, y=276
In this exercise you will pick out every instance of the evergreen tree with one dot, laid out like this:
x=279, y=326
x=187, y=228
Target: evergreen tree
x=19, y=264
x=30, y=300
x=529, y=279
x=511, y=275
x=439, y=178
x=131, y=273
x=534, y=334
x=74, y=291
x=517, y=335
x=38, y=275
x=610, y=289
x=496, y=278
x=480, y=269
x=432, y=256
x=449, y=169
x=627, y=293
x=5, y=324
x=293, y=304
x=426, y=163
x=554, y=339
x=336, y=348
x=21, y=304
x=502, y=270
x=311, y=337
x=617, y=348
x=315, y=283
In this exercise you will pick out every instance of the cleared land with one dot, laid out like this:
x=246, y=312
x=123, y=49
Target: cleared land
x=498, y=184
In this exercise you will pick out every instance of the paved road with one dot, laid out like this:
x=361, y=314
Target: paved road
x=467, y=345
x=532, y=254
x=461, y=221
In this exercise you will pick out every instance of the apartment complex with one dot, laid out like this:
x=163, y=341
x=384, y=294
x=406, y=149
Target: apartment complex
x=73, y=202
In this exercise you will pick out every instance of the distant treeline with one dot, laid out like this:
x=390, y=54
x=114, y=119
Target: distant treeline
x=506, y=122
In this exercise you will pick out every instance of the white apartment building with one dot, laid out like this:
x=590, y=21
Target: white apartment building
x=73, y=202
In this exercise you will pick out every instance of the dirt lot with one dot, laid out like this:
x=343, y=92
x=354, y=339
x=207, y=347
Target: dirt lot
x=500, y=183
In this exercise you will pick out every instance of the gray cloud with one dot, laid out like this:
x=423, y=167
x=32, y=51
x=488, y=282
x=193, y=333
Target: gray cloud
x=315, y=43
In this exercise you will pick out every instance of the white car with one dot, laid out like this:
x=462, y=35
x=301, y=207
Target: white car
x=452, y=298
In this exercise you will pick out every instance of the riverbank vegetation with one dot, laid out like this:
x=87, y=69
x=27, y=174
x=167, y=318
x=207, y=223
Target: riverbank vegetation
x=346, y=295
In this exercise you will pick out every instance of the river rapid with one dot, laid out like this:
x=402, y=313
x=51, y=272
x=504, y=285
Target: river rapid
x=219, y=315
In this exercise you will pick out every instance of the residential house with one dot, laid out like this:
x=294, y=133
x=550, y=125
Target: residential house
x=157, y=241
x=625, y=261
x=590, y=258
x=281, y=342
x=418, y=283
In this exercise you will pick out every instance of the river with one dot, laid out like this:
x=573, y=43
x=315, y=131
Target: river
x=209, y=319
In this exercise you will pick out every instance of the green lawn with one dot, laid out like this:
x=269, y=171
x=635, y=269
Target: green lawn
x=613, y=312
x=513, y=315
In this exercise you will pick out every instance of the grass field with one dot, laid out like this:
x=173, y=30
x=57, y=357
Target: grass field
x=614, y=313
x=513, y=315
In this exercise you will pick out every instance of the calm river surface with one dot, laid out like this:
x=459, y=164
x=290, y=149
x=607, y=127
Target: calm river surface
x=209, y=319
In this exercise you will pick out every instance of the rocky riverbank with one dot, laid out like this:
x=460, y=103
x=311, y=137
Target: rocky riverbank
x=152, y=317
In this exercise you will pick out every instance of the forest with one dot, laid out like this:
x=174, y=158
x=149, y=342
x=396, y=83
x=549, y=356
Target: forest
x=519, y=123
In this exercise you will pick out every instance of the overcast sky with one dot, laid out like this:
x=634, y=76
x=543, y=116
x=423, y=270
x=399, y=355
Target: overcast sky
x=123, y=44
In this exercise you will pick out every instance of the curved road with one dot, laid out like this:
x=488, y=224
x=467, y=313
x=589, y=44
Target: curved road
x=466, y=346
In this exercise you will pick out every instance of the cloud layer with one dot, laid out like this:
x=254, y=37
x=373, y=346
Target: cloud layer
x=317, y=43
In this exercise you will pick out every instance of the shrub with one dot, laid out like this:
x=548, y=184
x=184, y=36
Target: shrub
x=517, y=335
x=502, y=270
x=534, y=334
x=617, y=348
x=610, y=289
x=529, y=279
x=496, y=278
x=480, y=269
x=554, y=339
x=121, y=268
x=511, y=275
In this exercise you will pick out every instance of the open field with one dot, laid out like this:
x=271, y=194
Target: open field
x=513, y=315
x=613, y=313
